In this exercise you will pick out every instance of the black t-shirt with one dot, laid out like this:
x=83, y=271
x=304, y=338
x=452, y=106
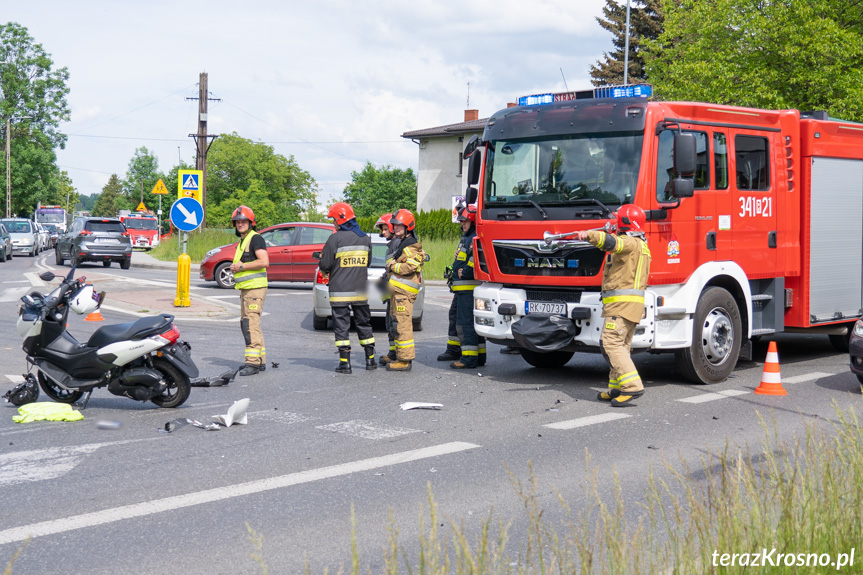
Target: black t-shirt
x=256, y=243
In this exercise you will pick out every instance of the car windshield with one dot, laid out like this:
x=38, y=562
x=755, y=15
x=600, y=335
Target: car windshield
x=564, y=169
x=105, y=226
x=140, y=224
x=18, y=227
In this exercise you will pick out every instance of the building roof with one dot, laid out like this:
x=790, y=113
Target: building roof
x=470, y=127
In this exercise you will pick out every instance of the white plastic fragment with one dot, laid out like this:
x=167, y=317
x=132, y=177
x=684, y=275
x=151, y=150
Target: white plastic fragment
x=419, y=405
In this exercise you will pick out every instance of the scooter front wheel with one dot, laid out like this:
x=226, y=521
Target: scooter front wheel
x=179, y=386
x=56, y=392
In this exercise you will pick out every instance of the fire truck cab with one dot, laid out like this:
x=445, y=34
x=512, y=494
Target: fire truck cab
x=143, y=229
x=755, y=222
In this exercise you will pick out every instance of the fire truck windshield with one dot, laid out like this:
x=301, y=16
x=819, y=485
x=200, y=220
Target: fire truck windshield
x=563, y=170
x=140, y=223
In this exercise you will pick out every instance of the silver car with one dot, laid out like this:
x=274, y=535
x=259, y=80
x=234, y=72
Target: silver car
x=25, y=236
x=322, y=310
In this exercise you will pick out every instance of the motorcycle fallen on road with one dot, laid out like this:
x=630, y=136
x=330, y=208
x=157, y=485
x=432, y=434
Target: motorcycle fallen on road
x=144, y=360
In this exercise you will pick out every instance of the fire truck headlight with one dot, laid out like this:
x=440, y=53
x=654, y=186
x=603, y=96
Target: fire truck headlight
x=482, y=304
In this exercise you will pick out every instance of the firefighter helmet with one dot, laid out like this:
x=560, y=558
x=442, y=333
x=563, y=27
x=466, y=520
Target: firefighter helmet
x=243, y=213
x=467, y=213
x=405, y=218
x=631, y=218
x=385, y=220
x=341, y=212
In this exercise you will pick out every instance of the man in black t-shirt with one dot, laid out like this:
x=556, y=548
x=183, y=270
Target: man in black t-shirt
x=250, y=277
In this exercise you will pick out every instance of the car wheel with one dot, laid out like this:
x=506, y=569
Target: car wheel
x=418, y=324
x=224, y=276
x=319, y=323
x=73, y=261
x=4, y=254
x=33, y=253
x=125, y=264
x=106, y=263
x=58, y=259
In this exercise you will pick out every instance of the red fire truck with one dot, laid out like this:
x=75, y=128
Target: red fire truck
x=143, y=229
x=755, y=222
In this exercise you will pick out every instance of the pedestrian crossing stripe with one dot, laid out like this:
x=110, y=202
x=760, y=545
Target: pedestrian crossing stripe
x=191, y=182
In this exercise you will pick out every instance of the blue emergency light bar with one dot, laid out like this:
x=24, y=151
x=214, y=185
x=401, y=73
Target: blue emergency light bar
x=627, y=91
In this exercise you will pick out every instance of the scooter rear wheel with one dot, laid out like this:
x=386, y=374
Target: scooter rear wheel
x=56, y=392
x=179, y=386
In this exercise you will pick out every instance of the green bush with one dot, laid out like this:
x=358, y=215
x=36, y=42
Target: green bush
x=433, y=225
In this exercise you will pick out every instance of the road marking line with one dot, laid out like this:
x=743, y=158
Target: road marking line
x=806, y=377
x=367, y=429
x=105, y=516
x=17, y=282
x=585, y=421
x=705, y=397
x=15, y=378
x=34, y=279
x=281, y=416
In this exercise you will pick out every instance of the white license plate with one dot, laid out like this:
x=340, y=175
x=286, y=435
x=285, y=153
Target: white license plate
x=107, y=241
x=551, y=308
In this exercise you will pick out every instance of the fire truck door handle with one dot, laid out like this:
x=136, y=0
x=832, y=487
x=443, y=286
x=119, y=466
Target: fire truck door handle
x=711, y=240
x=771, y=239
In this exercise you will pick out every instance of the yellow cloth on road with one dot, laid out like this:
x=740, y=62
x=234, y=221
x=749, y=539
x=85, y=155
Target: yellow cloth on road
x=46, y=411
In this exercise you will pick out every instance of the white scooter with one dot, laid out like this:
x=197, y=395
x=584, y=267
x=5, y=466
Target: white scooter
x=142, y=360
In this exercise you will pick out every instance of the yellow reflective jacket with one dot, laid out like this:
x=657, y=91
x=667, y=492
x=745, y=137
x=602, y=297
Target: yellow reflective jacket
x=625, y=276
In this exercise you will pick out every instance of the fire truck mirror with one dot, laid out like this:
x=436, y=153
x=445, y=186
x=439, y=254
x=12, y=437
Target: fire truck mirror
x=471, y=146
x=684, y=154
x=683, y=187
x=470, y=194
x=473, y=167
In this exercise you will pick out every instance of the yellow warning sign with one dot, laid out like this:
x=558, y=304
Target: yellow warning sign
x=141, y=207
x=160, y=188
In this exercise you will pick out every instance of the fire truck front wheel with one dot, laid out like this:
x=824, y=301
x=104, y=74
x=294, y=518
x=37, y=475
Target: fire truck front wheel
x=546, y=360
x=717, y=333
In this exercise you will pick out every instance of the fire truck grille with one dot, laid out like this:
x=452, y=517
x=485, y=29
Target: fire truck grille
x=546, y=295
x=525, y=261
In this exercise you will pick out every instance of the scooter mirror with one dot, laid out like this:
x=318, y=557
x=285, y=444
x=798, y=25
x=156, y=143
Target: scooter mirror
x=47, y=276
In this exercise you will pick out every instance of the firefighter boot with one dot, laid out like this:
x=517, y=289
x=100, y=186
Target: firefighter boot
x=344, y=361
x=464, y=363
x=481, y=358
x=452, y=353
x=385, y=359
x=370, y=357
x=399, y=365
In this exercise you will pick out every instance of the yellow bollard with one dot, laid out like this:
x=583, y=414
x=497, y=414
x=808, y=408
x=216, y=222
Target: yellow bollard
x=184, y=265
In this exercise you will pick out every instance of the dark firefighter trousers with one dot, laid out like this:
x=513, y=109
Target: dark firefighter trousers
x=471, y=343
x=363, y=321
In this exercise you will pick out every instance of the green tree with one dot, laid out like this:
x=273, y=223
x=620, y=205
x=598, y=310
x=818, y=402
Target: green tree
x=141, y=175
x=239, y=168
x=111, y=200
x=35, y=93
x=805, y=54
x=645, y=23
x=376, y=191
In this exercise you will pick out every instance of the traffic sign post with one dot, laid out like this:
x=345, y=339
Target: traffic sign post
x=160, y=189
x=186, y=215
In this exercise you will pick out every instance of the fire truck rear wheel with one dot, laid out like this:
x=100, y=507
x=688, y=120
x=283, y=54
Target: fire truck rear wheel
x=546, y=360
x=717, y=333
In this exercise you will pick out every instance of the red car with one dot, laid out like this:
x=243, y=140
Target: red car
x=290, y=247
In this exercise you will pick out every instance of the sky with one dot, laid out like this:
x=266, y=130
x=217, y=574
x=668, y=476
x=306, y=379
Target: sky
x=332, y=83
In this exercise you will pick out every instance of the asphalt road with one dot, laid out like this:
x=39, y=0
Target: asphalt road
x=319, y=445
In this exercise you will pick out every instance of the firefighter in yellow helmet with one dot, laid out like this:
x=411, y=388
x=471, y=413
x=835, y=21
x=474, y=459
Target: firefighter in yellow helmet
x=250, y=277
x=623, y=283
x=405, y=271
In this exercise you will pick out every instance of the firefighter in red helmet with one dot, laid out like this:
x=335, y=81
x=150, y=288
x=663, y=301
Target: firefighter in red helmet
x=250, y=277
x=405, y=280
x=623, y=283
x=385, y=226
x=346, y=258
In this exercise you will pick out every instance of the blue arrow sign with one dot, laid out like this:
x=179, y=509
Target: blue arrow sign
x=187, y=214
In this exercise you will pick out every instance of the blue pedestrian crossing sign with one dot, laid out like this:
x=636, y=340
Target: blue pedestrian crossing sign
x=187, y=214
x=189, y=184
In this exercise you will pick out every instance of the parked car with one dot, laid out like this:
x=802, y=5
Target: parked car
x=25, y=236
x=53, y=233
x=5, y=244
x=95, y=240
x=44, y=237
x=855, y=350
x=290, y=247
x=322, y=310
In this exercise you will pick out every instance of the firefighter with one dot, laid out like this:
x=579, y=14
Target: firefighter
x=623, y=282
x=346, y=257
x=405, y=281
x=385, y=225
x=462, y=284
x=250, y=277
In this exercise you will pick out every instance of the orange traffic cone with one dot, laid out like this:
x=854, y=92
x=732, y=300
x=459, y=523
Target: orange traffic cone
x=95, y=316
x=771, y=380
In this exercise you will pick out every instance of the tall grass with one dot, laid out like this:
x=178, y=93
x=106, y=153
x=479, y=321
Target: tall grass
x=199, y=243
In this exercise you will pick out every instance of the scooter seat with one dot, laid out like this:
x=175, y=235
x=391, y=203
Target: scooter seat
x=138, y=329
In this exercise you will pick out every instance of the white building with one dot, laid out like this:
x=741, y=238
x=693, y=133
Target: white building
x=439, y=175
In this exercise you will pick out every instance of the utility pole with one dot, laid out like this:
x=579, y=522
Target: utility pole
x=202, y=144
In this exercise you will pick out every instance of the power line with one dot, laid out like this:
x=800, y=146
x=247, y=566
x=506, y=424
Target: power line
x=262, y=142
